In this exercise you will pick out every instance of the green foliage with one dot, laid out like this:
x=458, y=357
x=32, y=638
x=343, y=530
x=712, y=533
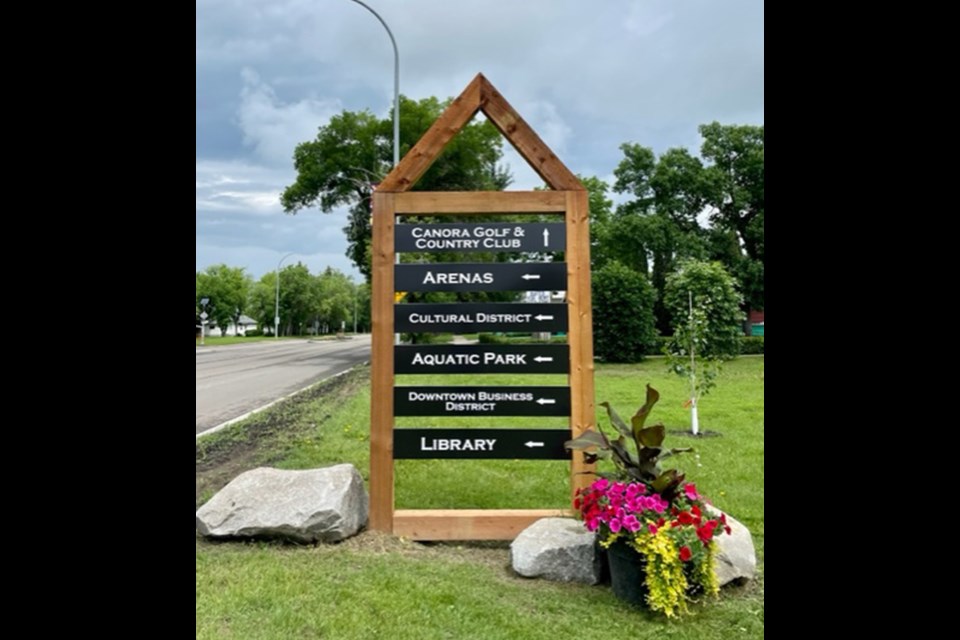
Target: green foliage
x=735, y=179
x=309, y=304
x=227, y=289
x=353, y=152
x=623, y=330
x=642, y=464
x=751, y=345
x=711, y=332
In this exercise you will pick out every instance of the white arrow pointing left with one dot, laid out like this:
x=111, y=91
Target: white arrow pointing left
x=530, y=276
x=539, y=317
x=533, y=444
x=546, y=401
x=543, y=359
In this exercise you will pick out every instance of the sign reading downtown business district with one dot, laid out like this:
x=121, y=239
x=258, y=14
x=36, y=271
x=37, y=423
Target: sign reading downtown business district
x=476, y=316
x=481, y=401
x=469, y=358
x=492, y=444
x=487, y=276
x=488, y=236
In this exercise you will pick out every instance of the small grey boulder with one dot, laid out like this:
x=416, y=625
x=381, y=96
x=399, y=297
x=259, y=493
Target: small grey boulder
x=556, y=549
x=737, y=557
x=309, y=505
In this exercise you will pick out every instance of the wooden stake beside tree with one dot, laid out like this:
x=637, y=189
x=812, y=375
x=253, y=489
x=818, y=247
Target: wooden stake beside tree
x=705, y=305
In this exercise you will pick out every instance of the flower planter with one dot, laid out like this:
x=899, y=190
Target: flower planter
x=627, y=573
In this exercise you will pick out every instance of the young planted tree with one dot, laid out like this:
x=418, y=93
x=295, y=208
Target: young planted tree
x=705, y=305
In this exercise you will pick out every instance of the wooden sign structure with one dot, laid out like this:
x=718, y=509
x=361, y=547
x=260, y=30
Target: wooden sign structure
x=391, y=199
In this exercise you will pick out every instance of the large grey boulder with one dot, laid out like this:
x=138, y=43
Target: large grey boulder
x=737, y=558
x=556, y=549
x=305, y=506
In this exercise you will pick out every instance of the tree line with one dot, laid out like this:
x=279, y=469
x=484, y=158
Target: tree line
x=308, y=304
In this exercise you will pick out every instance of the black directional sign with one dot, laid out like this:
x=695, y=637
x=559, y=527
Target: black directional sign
x=488, y=236
x=482, y=358
x=493, y=444
x=488, y=276
x=481, y=401
x=473, y=317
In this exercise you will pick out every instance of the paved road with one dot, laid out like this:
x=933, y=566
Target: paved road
x=235, y=379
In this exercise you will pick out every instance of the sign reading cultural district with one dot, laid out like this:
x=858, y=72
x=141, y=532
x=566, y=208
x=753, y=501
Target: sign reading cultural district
x=474, y=317
x=494, y=444
x=488, y=276
x=493, y=358
x=488, y=236
x=481, y=401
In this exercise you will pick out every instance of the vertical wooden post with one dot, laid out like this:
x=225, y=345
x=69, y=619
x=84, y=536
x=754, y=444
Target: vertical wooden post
x=381, y=382
x=582, y=411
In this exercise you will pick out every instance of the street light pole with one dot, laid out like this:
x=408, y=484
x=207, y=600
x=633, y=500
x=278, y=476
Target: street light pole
x=276, y=314
x=396, y=104
x=396, y=84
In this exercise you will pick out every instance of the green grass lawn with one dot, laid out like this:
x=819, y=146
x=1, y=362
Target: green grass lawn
x=375, y=585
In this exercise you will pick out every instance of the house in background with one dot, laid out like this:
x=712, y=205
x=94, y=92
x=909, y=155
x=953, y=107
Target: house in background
x=754, y=323
x=246, y=322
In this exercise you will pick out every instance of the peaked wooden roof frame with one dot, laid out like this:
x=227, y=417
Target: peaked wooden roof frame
x=480, y=95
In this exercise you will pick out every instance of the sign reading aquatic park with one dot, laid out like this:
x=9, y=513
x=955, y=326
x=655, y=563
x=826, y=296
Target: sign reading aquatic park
x=484, y=358
x=481, y=401
x=489, y=236
x=487, y=276
x=473, y=317
x=492, y=444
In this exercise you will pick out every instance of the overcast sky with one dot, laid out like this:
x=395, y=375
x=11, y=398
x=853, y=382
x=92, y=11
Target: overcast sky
x=587, y=76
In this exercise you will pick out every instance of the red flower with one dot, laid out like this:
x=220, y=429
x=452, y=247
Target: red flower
x=705, y=533
x=696, y=511
x=661, y=522
x=729, y=530
x=685, y=553
x=685, y=518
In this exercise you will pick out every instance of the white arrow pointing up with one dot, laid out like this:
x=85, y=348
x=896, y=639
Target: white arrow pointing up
x=533, y=444
x=546, y=401
x=538, y=317
x=546, y=238
x=530, y=276
x=543, y=359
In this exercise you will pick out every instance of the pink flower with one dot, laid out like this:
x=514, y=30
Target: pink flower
x=593, y=524
x=652, y=528
x=691, y=491
x=600, y=485
x=631, y=523
x=615, y=525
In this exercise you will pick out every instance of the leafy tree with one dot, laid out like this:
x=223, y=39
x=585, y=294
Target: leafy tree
x=353, y=152
x=336, y=294
x=227, y=288
x=623, y=330
x=735, y=181
x=705, y=304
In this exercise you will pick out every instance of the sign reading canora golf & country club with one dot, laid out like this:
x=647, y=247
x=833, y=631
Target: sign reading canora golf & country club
x=490, y=237
x=393, y=199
